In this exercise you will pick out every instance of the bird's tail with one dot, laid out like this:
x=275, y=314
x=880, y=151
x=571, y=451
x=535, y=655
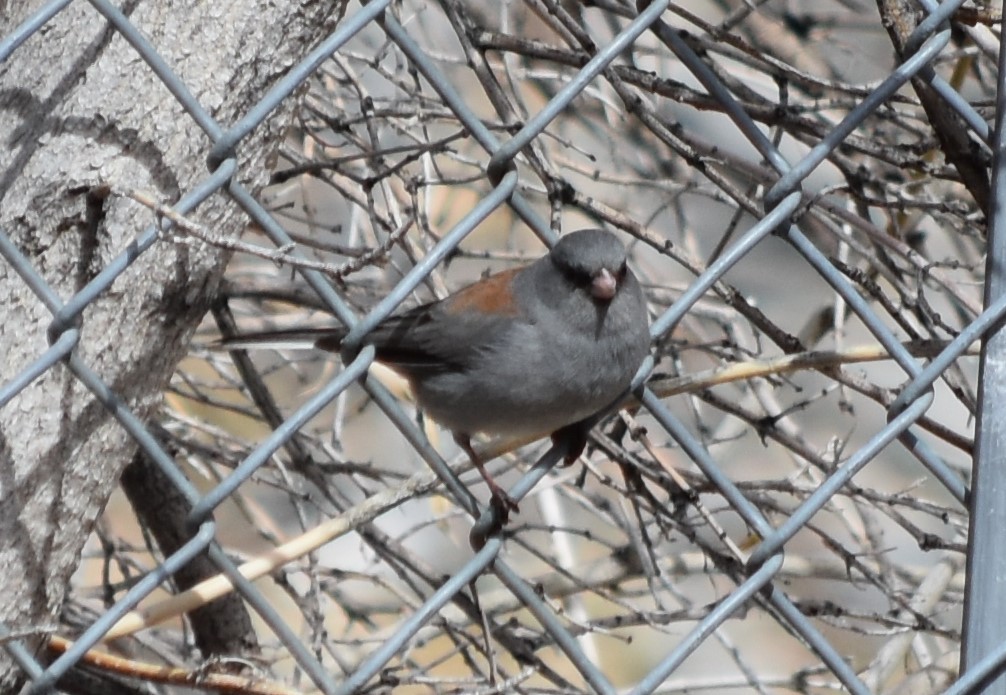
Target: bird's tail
x=321, y=337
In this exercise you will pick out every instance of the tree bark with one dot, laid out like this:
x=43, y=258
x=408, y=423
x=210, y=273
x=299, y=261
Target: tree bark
x=80, y=109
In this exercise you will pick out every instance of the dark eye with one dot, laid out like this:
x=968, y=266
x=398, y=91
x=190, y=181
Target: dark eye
x=583, y=279
x=578, y=276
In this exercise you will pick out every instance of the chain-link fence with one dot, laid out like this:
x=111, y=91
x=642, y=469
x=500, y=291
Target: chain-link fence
x=786, y=504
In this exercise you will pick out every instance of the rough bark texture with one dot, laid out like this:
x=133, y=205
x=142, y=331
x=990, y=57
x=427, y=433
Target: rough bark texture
x=222, y=627
x=78, y=107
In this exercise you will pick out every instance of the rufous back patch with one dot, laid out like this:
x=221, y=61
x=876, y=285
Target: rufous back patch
x=494, y=295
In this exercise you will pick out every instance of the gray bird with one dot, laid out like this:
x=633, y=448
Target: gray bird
x=522, y=352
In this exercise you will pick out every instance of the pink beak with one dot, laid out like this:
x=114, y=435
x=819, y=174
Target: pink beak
x=604, y=286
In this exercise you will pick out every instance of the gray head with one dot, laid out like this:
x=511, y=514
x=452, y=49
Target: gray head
x=593, y=259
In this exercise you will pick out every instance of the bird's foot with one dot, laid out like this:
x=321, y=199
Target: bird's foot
x=502, y=503
x=575, y=438
x=491, y=524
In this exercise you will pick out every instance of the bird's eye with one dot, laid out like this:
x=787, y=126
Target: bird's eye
x=578, y=276
x=583, y=279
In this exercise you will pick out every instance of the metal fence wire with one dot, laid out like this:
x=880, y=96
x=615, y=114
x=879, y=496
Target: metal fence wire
x=809, y=462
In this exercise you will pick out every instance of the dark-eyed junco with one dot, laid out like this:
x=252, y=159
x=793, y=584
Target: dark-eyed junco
x=523, y=352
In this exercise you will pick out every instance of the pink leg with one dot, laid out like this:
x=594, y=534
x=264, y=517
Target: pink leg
x=500, y=499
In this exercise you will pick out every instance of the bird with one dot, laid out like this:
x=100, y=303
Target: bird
x=530, y=350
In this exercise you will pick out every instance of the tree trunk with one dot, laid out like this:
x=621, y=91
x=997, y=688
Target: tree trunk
x=81, y=109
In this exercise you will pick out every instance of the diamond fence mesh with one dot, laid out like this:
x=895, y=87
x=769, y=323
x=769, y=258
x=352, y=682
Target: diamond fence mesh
x=809, y=193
